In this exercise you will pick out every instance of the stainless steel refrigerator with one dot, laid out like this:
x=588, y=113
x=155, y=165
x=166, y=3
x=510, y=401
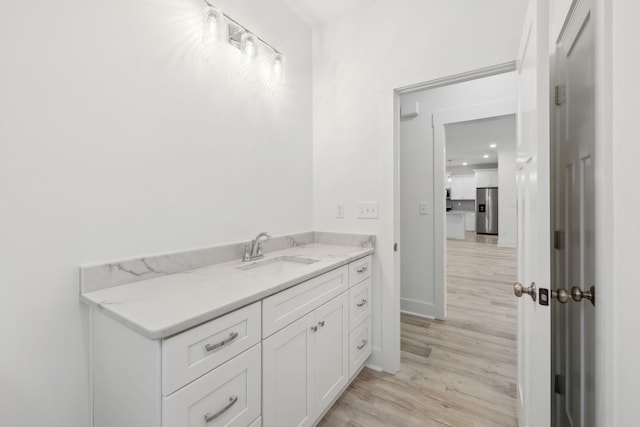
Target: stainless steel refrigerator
x=487, y=210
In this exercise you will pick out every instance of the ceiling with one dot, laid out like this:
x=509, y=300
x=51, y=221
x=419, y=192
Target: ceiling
x=469, y=141
x=317, y=12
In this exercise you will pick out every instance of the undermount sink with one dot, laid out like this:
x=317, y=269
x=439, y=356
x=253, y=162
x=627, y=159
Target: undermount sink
x=278, y=265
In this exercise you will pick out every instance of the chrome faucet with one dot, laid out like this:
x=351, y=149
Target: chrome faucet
x=256, y=251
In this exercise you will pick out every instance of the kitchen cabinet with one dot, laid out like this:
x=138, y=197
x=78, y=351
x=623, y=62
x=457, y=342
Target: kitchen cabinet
x=486, y=178
x=463, y=187
x=470, y=221
x=456, y=225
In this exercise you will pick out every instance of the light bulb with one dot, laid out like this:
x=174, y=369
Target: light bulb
x=249, y=45
x=212, y=26
x=277, y=67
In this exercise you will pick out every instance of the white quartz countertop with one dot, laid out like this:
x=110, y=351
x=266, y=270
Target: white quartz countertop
x=163, y=306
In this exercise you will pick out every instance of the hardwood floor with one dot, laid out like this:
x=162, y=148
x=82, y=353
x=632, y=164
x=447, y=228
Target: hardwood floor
x=459, y=372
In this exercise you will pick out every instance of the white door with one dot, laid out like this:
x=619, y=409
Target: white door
x=331, y=340
x=287, y=375
x=534, y=361
x=573, y=324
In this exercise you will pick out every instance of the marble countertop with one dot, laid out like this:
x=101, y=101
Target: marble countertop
x=163, y=306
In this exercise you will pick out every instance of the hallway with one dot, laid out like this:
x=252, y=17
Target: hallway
x=459, y=372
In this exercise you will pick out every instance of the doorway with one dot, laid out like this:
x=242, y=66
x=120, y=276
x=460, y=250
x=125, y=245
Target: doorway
x=428, y=120
x=425, y=118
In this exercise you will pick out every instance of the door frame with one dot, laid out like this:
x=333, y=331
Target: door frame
x=444, y=117
x=390, y=319
x=501, y=108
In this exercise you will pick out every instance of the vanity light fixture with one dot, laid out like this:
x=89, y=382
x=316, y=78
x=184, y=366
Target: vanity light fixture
x=464, y=163
x=486, y=156
x=493, y=145
x=219, y=26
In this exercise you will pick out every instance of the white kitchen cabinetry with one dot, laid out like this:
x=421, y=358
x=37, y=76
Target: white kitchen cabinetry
x=463, y=187
x=486, y=178
x=470, y=221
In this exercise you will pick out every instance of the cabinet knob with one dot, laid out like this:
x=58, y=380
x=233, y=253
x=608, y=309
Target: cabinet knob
x=314, y=329
x=321, y=323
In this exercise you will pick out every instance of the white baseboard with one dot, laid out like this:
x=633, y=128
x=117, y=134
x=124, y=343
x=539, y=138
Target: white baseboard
x=375, y=360
x=417, y=314
x=418, y=308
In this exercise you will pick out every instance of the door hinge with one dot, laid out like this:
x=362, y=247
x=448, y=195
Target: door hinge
x=395, y=247
x=560, y=384
x=561, y=95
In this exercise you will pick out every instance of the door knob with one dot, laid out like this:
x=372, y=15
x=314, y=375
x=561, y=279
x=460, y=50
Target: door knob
x=562, y=295
x=518, y=290
x=577, y=294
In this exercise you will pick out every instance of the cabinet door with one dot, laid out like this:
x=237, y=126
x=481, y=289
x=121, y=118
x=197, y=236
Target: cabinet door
x=471, y=221
x=456, y=188
x=494, y=179
x=332, y=354
x=470, y=187
x=288, y=361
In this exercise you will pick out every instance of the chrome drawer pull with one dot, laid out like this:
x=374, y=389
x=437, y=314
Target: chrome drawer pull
x=213, y=347
x=363, y=345
x=362, y=269
x=364, y=302
x=232, y=401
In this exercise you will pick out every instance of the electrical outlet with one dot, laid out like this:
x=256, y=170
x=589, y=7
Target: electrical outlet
x=368, y=210
x=339, y=210
x=423, y=208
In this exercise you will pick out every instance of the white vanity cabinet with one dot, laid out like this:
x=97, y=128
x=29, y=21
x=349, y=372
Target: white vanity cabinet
x=279, y=362
x=309, y=362
x=305, y=366
x=208, y=375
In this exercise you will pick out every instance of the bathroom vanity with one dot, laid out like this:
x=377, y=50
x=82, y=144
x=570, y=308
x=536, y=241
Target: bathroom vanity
x=272, y=342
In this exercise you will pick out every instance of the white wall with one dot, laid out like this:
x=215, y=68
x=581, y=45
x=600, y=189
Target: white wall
x=417, y=183
x=507, y=197
x=120, y=135
x=359, y=60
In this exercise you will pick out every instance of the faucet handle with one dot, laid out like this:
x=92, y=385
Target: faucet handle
x=247, y=253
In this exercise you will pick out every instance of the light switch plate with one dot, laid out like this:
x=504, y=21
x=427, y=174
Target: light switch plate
x=368, y=210
x=339, y=210
x=423, y=208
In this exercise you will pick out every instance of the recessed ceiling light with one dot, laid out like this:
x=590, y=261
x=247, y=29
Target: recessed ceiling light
x=486, y=156
x=464, y=163
x=493, y=145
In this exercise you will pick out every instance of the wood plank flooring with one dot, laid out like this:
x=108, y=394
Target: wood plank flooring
x=460, y=372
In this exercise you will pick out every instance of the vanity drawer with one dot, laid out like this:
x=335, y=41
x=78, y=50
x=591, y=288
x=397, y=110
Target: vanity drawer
x=359, y=303
x=195, y=352
x=229, y=396
x=359, y=346
x=283, y=308
x=359, y=270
